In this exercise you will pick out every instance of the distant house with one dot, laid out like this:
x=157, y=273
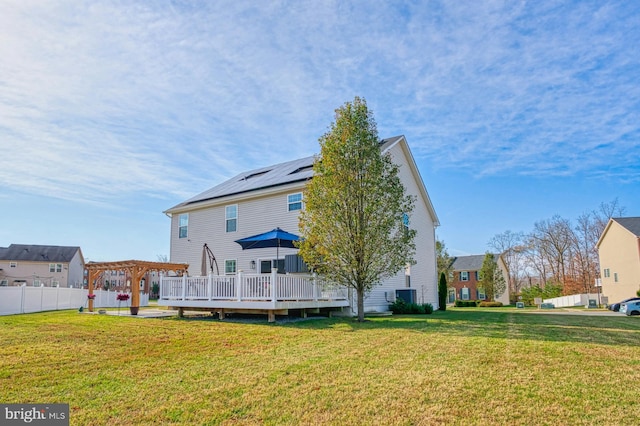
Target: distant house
x=619, y=253
x=37, y=265
x=464, y=284
x=259, y=200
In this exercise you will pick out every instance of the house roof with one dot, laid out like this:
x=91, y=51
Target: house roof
x=265, y=177
x=632, y=224
x=468, y=263
x=36, y=253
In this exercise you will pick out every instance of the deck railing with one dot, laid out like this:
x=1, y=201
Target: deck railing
x=250, y=287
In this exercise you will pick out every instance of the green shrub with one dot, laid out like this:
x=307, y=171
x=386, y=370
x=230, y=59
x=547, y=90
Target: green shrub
x=484, y=304
x=400, y=307
x=465, y=303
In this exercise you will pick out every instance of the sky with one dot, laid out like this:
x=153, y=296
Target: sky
x=111, y=112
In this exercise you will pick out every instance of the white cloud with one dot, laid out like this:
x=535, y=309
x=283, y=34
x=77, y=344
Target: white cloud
x=165, y=99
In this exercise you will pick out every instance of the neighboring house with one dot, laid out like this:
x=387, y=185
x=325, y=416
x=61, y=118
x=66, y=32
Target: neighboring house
x=619, y=252
x=260, y=200
x=464, y=282
x=36, y=265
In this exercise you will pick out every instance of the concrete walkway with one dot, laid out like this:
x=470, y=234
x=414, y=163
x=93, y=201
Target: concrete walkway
x=142, y=313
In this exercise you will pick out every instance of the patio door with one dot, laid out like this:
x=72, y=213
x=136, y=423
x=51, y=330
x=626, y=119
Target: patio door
x=267, y=264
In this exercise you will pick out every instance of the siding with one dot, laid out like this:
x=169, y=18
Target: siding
x=255, y=215
x=619, y=252
x=262, y=211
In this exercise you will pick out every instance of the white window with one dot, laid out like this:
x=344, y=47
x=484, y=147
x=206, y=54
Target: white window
x=464, y=293
x=615, y=277
x=55, y=267
x=13, y=264
x=55, y=283
x=607, y=273
x=4, y=283
x=231, y=218
x=477, y=275
x=36, y=283
x=294, y=201
x=464, y=276
x=230, y=266
x=481, y=294
x=183, y=226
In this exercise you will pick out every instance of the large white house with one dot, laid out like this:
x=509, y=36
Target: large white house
x=271, y=197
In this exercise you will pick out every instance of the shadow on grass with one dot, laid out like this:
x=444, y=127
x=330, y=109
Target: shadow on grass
x=501, y=325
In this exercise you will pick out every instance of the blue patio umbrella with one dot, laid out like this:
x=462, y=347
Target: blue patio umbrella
x=274, y=238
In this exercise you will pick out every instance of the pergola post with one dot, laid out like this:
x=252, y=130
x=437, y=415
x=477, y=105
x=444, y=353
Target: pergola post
x=137, y=272
x=93, y=274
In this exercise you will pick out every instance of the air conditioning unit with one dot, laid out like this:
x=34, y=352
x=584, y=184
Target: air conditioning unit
x=408, y=295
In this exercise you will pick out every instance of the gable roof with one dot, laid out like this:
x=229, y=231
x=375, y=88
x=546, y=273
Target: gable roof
x=37, y=253
x=468, y=263
x=631, y=224
x=300, y=170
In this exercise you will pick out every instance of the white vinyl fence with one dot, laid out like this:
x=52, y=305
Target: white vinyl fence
x=23, y=300
x=572, y=300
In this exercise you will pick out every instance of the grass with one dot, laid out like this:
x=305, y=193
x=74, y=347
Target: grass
x=454, y=367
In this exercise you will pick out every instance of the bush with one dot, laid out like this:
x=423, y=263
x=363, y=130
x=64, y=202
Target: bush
x=484, y=304
x=400, y=307
x=465, y=303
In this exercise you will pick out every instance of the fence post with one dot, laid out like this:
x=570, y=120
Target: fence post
x=239, y=285
x=184, y=286
x=314, y=286
x=210, y=279
x=274, y=284
x=24, y=294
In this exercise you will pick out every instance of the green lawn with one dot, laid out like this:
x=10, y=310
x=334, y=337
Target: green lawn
x=454, y=367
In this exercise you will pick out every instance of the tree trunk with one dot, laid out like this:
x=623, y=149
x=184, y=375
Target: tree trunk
x=360, y=293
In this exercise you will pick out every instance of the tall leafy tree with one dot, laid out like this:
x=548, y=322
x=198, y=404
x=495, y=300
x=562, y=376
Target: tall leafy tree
x=355, y=225
x=442, y=292
x=491, y=278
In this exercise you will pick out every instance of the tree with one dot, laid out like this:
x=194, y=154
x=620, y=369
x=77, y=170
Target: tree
x=355, y=226
x=510, y=245
x=491, y=278
x=443, y=260
x=442, y=292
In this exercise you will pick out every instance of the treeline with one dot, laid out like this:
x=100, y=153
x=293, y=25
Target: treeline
x=557, y=252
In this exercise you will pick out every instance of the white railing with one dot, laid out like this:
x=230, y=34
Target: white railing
x=250, y=287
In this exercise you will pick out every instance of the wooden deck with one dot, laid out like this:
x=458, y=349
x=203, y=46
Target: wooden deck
x=273, y=294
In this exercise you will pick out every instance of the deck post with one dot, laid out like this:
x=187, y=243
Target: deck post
x=161, y=276
x=274, y=284
x=239, y=285
x=210, y=285
x=184, y=286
